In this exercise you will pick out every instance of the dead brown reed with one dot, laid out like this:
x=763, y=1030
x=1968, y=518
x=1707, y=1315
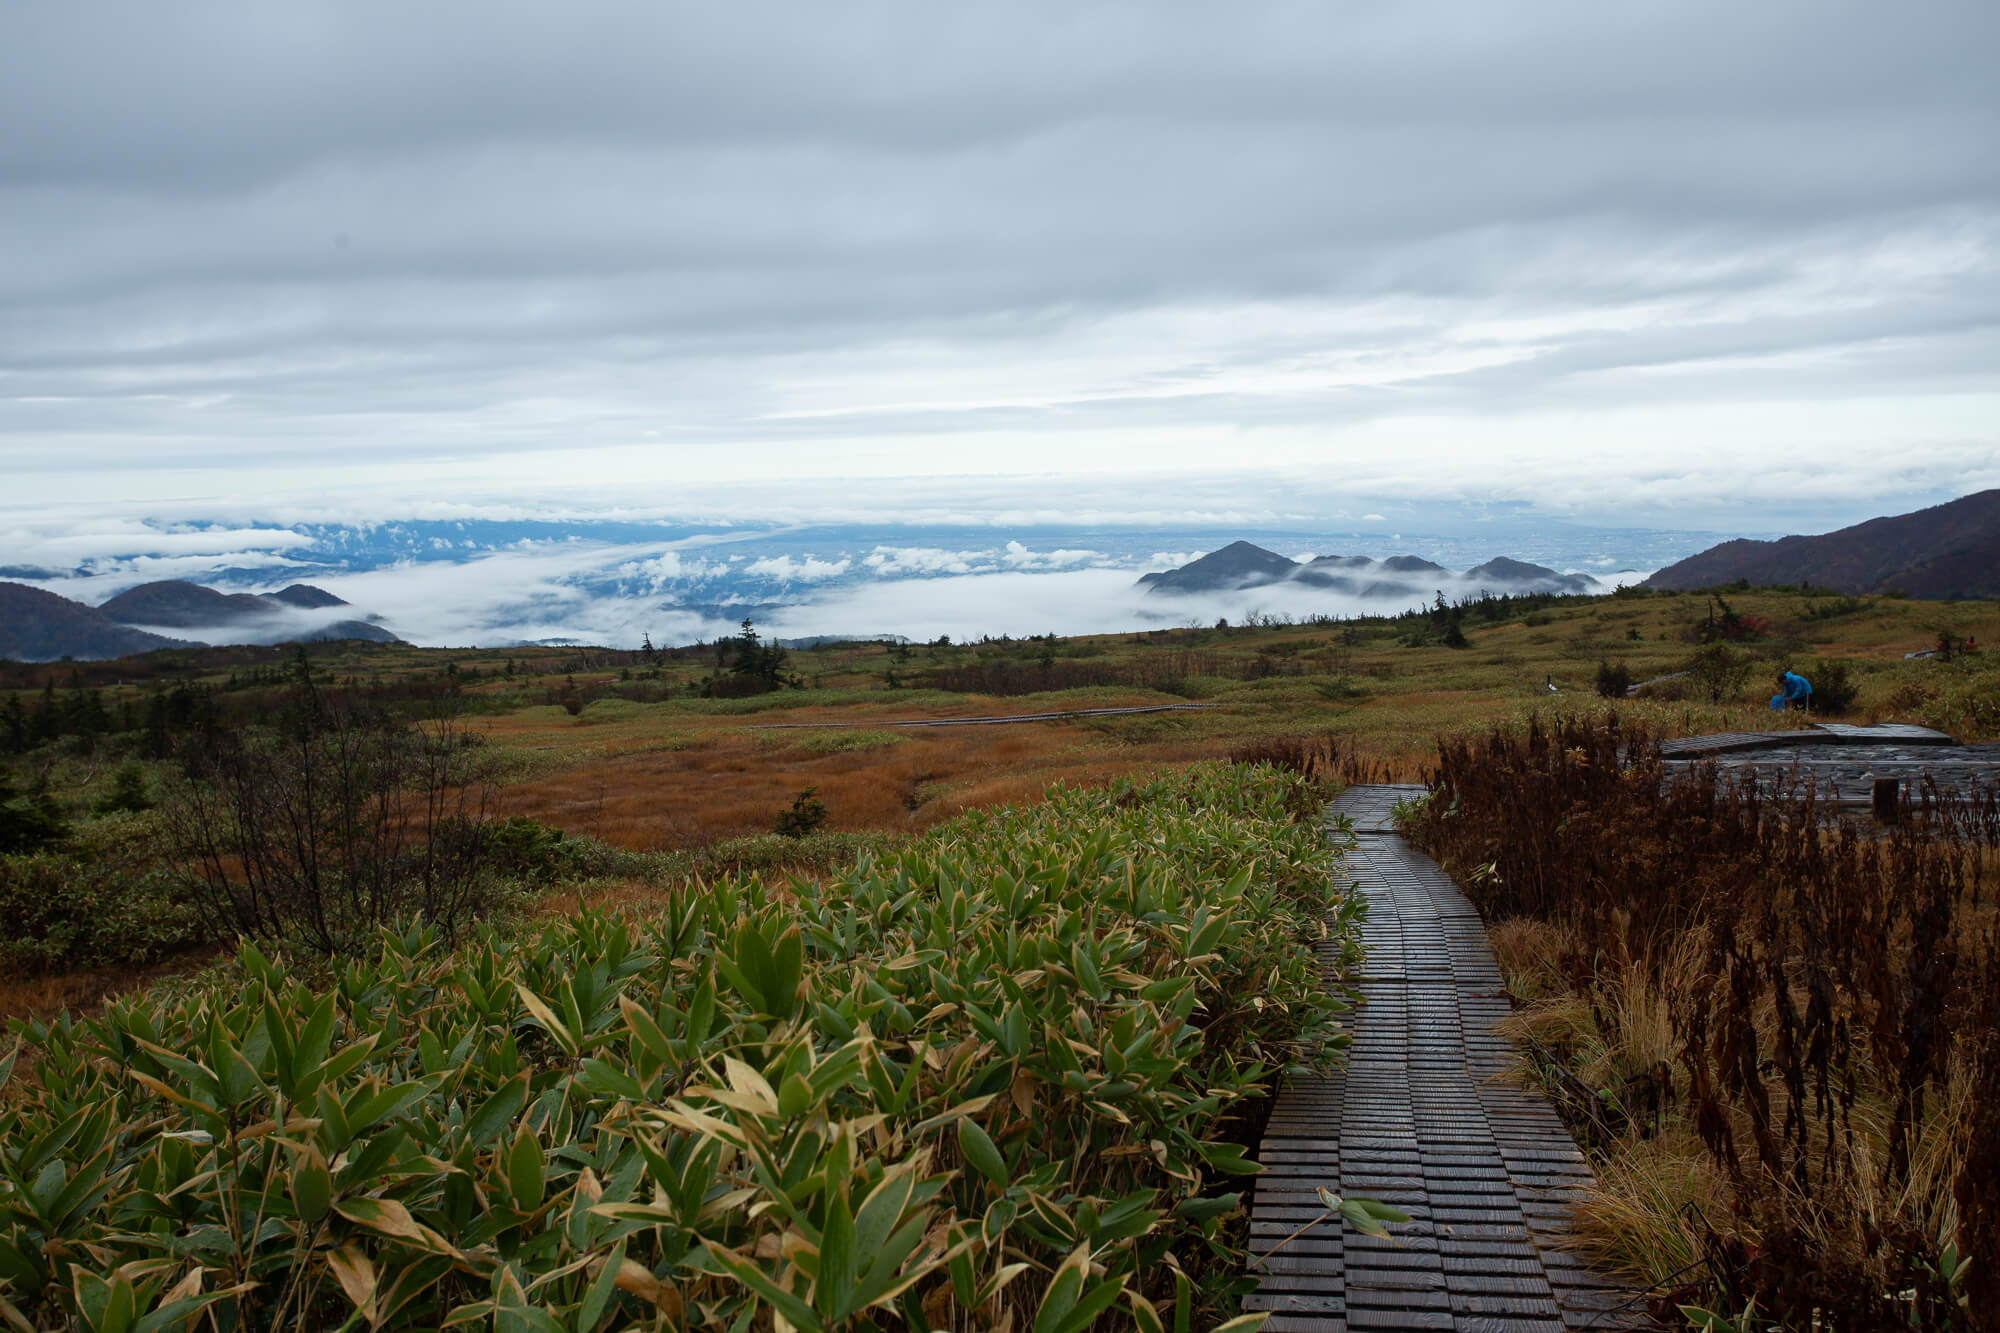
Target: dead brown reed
x=1812, y=1004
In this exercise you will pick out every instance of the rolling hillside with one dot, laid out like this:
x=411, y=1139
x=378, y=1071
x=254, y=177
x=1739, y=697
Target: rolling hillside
x=1949, y=552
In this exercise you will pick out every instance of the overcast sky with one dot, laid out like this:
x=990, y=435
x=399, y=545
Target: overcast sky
x=1682, y=260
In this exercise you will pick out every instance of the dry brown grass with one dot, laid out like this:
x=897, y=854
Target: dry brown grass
x=688, y=782
x=85, y=992
x=1530, y=954
x=1655, y=1200
x=1660, y=1194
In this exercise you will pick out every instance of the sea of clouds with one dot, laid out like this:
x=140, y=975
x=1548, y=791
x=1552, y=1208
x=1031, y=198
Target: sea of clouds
x=499, y=581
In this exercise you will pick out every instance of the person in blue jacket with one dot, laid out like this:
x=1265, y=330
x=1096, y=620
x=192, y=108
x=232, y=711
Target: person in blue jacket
x=1795, y=691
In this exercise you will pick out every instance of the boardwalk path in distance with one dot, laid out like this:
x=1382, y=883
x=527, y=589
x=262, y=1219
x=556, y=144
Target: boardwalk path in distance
x=1417, y=1118
x=993, y=721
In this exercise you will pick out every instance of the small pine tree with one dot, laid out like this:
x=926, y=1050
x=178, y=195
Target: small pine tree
x=29, y=821
x=128, y=790
x=807, y=813
x=16, y=724
x=1613, y=681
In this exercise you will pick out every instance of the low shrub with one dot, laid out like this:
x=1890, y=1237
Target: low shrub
x=1717, y=672
x=850, y=740
x=1835, y=685
x=1613, y=681
x=530, y=850
x=62, y=911
x=1964, y=699
x=981, y=1082
x=1832, y=608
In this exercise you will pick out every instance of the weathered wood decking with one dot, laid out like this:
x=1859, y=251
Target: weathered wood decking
x=1417, y=1118
x=1843, y=763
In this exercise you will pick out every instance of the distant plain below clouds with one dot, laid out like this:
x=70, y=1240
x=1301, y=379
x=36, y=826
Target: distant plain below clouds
x=617, y=582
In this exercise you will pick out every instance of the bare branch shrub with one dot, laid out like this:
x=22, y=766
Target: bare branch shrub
x=332, y=821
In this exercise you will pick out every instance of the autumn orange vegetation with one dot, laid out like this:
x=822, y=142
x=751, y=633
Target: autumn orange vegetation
x=732, y=782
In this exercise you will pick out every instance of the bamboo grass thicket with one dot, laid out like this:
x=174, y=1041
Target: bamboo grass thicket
x=994, y=1078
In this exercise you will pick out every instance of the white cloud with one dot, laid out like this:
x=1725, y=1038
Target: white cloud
x=802, y=569
x=1160, y=561
x=924, y=560
x=665, y=570
x=1017, y=556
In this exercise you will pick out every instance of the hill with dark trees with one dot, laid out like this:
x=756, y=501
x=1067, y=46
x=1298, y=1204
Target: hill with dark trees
x=41, y=626
x=1240, y=566
x=1949, y=551
x=178, y=603
x=38, y=626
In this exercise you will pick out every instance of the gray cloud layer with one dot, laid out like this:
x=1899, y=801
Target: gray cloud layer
x=1583, y=254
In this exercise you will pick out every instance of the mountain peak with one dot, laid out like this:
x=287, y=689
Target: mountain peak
x=306, y=596
x=1237, y=565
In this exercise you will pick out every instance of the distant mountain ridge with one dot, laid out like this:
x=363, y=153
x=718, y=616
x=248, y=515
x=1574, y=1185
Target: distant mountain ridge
x=1947, y=552
x=41, y=626
x=38, y=626
x=1240, y=566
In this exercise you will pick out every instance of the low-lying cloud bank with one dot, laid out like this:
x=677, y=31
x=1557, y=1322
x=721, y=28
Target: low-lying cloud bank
x=505, y=599
x=498, y=582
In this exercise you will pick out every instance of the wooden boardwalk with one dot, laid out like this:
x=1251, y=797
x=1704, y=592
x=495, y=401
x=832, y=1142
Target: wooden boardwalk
x=1417, y=1118
x=1842, y=762
x=1896, y=734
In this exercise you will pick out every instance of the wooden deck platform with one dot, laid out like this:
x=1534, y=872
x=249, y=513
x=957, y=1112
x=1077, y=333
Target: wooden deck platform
x=1899, y=734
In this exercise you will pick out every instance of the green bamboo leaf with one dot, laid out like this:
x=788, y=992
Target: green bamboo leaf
x=391, y=1218
x=1203, y=1207
x=839, y=1264
x=978, y=1148
x=652, y=1041
x=590, y=1312
x=315, y=1039
x=571, y=1042
x=610, y=1080
x=1228, y=1158
x=368, y=1110
x=284, y=1051
x=801, y=1315
x=176, y=1314
x=497, y=1111
x=85, y=1186
x=312, y=1189
x=787, y=970
x=1064, y=1290
x=93, y=1295
x=1094, y=1302
x=795, y=1096
x=882, y=1210
x=525, y=1168
x=884, y=1279
x=1085, y=968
